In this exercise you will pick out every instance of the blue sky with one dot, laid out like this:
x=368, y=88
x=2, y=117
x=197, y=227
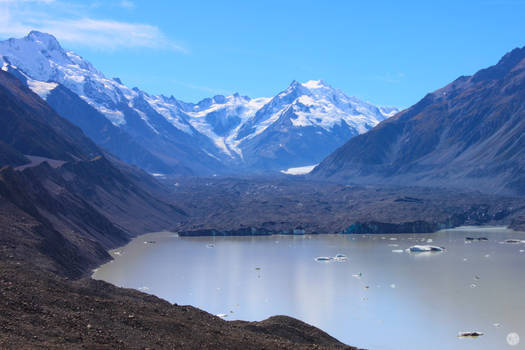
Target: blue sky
x=385, y=52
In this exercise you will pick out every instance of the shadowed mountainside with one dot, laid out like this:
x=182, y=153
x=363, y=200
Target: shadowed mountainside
x=84, y=204
x=469, y=135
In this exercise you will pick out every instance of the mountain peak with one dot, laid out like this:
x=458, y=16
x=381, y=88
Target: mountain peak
x=315, y=84
x=308, y=85
x=505, y=65
x=44, y=39
x=296, y=88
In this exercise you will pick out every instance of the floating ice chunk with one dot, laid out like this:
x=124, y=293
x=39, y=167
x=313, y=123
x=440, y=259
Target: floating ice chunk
x=425, y=248
x=470, y=334
x=323, y=259
x=210, y=245
x=430, y=240
x=340, y=257
x=358, y=275
x=497, y=325
x=397, y=251
x=472, y=239
x=513, y=241
x=393, y=286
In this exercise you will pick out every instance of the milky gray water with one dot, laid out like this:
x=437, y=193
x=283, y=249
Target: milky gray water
x=401, y=300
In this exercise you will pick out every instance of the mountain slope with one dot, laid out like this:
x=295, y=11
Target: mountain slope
x=152, y=122
x=223, y=134
x=31, y=127
x=70, y=204
x=469, y=134
x=102, y=131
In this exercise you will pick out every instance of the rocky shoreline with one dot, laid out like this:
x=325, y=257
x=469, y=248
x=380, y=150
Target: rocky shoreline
x=40, y=310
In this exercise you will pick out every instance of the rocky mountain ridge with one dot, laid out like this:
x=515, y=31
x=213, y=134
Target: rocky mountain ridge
x=468, y=135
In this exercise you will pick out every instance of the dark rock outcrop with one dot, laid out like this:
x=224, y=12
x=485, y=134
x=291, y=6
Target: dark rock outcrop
x=384, y=227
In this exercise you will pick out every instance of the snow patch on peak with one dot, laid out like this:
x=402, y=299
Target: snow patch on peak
x=314, y=84
x=42, y=89
x=389, y=111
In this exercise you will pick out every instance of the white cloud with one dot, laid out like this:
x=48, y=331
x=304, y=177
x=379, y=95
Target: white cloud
x=17, y=19
x=109, y=34
x=25, y=1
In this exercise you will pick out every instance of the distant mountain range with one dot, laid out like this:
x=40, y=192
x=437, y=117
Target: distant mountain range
x=223, y=134
x=469, y=134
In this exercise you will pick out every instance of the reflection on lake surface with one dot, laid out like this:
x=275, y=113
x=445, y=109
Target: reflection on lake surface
x=380, y=297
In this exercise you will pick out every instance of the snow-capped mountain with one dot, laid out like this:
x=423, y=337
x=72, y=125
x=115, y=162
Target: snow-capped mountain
x=295, y=128
x=298, y=127
x=301, y=124
x=154, y=122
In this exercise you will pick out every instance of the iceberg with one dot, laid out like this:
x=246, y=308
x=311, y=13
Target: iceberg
x=425, y=248
x=340, y=257
x=470, y=334
x=323, y=259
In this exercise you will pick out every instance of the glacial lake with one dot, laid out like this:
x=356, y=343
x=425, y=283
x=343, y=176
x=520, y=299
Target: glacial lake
x=378, y=299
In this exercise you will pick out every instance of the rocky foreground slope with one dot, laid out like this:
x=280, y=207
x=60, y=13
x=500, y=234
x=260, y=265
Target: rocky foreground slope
x=40, y=310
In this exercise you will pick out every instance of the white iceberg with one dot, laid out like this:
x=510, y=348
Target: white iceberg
x=323, y=259
x=340, y=257
x=425, y=248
